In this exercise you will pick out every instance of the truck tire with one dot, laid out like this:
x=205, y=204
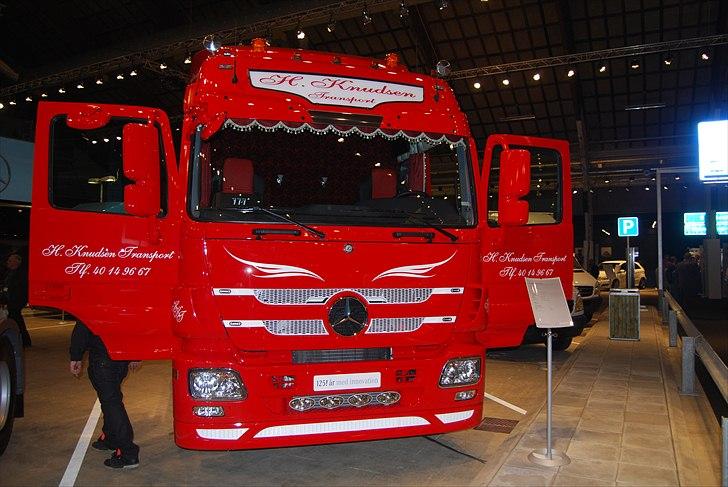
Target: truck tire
x=560, y=343
x=8, y=382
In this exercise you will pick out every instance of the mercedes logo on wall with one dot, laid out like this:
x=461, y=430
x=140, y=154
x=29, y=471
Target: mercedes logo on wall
x=348, y=316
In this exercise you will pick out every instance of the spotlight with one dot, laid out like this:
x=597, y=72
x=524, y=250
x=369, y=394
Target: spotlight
x=44, y=95
x=99, y=81
x=28, y=98
x=300, y=35
x=133, y=72
x=119, y=76
x=634, y=64
x=441, y=4
x=331, y=25
x=211, y=43
x=668, y=59
x=403, y=12
x=2, y=106
x=506, y=82
x=61, y=90
x=79, y=86
x=366, y=19
x=188, y=59
x=12, y=103
x=537, y=76
x=476, y=85
x=602, y=68
x=704, y=55
x=162, y=66
x=570, y=73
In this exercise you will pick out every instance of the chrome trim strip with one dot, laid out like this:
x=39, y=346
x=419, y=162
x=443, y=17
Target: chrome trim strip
x=341, y=426
x=447, y=418
x=221, y=433
x=311, y=296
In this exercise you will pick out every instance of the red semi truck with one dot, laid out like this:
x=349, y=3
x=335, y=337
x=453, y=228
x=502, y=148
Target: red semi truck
x=325, y=261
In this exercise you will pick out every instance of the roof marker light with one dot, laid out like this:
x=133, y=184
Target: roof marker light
x=211, y=43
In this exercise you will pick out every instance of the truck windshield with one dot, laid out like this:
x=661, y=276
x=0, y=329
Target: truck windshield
x=343, y=175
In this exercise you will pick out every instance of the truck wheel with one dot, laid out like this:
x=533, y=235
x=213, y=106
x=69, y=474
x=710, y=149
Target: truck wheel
x=615, y=284
x=7, y=395
x=642, y=284
x=560, y=343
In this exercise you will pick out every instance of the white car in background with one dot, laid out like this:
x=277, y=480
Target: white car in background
x=588, y=288
x=613, y=275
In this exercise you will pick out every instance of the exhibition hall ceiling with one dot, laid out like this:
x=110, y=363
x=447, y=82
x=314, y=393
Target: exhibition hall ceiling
x=619, y=111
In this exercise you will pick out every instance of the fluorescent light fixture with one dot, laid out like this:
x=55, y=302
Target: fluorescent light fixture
x=646, y=106
x=516, y=118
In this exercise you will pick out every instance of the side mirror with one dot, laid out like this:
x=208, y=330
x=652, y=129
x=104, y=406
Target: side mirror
x=141, y=165
x=514, y=183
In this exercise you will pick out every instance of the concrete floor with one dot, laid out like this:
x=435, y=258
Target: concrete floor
x=58, y=406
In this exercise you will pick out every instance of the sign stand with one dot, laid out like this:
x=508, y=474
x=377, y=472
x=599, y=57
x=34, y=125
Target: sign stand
x=550, y=311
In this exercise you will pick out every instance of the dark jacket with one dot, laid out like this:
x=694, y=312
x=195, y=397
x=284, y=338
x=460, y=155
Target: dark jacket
x=16, y=285
x=82, y=339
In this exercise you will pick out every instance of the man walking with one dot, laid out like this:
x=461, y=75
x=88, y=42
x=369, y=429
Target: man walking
x=106, y=376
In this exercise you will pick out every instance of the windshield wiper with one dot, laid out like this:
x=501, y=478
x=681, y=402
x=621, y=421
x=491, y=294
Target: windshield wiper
x=284, y=218
x=416, y=218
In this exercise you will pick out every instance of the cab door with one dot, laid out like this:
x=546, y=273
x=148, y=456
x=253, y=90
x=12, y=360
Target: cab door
x=529, y=230
x=104, y=242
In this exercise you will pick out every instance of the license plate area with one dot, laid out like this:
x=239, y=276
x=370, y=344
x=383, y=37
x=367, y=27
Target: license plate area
x=342, y=382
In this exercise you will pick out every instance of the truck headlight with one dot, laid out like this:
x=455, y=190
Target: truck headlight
x=219, y=384
x=460, y=372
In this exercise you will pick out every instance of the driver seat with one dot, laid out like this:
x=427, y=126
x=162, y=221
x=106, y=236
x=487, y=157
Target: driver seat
x=239, y=184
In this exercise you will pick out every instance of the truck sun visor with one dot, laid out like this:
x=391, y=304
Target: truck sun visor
x=367, y=132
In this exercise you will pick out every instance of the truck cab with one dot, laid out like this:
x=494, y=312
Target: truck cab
x=314, y=261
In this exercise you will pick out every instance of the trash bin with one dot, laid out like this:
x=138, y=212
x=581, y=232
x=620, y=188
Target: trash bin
x=624, y=314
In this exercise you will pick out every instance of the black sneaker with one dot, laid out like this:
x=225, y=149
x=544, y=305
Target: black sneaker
x=101, y=445
x=117, y=461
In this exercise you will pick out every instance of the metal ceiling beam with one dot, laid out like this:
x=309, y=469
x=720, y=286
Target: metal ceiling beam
x=341, y=9
x=585, y=57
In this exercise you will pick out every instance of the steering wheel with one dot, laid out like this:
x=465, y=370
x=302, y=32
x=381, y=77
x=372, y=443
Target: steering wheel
x=408, y=194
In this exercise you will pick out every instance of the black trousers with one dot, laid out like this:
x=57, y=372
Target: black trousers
x=106, y=376
x=16, y=315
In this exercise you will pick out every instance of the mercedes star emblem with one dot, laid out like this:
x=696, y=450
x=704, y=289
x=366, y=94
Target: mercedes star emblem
x=348, y=316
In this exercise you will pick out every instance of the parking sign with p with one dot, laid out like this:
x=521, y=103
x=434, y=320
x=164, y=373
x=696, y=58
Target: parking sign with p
x=628, y=226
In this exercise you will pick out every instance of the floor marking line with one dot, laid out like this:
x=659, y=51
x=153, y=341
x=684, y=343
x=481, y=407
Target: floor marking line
x=74, y=465
x=60, y=325
x=506, y=404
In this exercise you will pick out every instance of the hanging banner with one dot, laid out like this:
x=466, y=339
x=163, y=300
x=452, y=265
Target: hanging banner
x=337, y=90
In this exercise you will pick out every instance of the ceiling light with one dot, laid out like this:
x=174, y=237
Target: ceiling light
x=605, y=232
x=99, y=81
x=118, y=137
x=331, y=25
x=476, y=85
x=340, y=139
x=28, y=98
x=665, y=188
x=441, y=4
x=575, y=191
x=366, y=19
x=44, y=95
x=646, y=106
x=12, y=103
x=506, y=82
x=300, y=34
x=654, y=223
x=188, y=59
x=211, y=43
x=704, y=55
x=537, y=76
x=570, y=73
x=2, y=106
x=79, y=86
x=119, y=76
x=162, y=66
x=133, y=72
x=403, y=12
x=61, y=90
x=634, y=63
x=677, y=178
x=668, y=59
x=602, y=68
x=606, y=181
x=106, y=139
x=647, y=188
x=94, y=141
x=626, y=189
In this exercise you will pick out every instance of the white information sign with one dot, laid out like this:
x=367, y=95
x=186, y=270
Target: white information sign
x=548, y=303
x=336, y=90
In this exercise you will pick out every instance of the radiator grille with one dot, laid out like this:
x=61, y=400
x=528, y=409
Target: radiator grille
x=296, y=327
x=343, y=355
x=394, y=325
x=320, y=296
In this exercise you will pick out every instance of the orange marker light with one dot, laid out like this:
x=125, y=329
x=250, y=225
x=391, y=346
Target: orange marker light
x=259, y=44
x=391, y=60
